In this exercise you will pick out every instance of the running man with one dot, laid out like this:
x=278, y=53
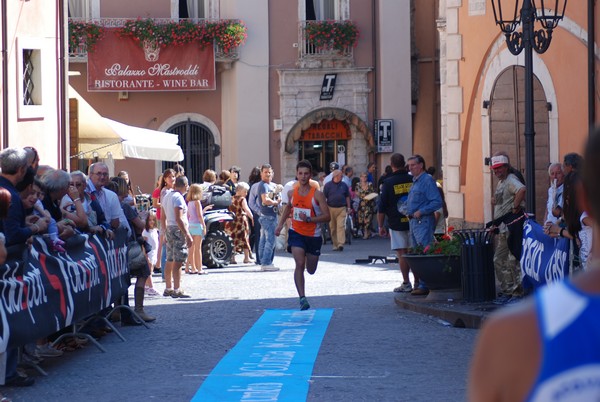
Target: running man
x=308, y=208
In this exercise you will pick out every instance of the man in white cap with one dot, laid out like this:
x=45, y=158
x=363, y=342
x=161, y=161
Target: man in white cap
x=546, y=348
x=333, y=166
x=509, y=197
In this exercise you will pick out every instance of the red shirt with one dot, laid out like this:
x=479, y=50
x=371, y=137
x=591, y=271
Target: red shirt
x=156, y=194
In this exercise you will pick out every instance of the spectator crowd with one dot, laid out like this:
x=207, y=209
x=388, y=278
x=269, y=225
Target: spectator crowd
x=405, y=204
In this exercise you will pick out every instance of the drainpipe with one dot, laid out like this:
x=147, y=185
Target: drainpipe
x=374, y=27
x=61, y=96
x=4, y=76
x=591, y=65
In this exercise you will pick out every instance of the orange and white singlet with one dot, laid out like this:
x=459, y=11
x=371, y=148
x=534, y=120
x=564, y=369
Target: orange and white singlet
x=308, y=205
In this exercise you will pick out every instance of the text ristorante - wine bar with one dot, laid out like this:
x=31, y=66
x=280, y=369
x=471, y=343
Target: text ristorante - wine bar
x=121, y=64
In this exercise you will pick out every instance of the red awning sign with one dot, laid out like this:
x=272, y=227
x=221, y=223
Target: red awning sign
x=120, y=64
x=327, y=130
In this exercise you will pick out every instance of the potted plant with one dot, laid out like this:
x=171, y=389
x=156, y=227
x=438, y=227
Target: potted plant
x=82, y=33
x=331, y=34
x=226, y=34
x=438, y=264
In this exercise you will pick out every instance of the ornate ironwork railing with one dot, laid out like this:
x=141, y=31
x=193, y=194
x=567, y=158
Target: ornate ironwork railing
x=308, y=48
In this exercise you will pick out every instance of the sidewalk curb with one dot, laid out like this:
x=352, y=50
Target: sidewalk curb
x=458, y=314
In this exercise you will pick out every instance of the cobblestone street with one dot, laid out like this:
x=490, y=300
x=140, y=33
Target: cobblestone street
x=372, y=350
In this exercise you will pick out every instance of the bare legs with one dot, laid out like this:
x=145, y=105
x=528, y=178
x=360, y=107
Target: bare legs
x=161, y=242
x=176, y=274
x=148, y=281
x=404, y=268
x=173, y=273
x=247, y=256
x=196, y=254
x=169, y=274
x=303, y=261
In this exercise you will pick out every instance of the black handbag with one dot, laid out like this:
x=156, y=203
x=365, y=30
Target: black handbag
x=136, y=257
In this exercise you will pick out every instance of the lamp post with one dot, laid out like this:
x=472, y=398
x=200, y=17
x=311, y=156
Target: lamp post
x=529, y=39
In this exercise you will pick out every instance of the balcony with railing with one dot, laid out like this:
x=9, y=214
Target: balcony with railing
x=326, y=43
x=226, y=35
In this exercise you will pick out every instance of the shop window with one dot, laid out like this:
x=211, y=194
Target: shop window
x=321, y=153
x=325, y=142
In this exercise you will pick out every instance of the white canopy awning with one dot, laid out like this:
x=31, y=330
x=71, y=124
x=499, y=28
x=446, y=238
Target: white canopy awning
x=142, y=143
x=103, y=136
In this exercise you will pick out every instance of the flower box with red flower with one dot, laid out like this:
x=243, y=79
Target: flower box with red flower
x=438, y=264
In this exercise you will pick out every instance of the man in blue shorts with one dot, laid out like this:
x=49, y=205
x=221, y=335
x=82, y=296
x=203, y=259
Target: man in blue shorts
x=307, y=208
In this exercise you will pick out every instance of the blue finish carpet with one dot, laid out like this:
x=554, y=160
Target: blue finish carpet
x=272, y=362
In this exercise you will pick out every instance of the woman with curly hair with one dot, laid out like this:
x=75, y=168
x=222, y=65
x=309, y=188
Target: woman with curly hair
x=165, y=184
x=366, y=206
x=239, y=228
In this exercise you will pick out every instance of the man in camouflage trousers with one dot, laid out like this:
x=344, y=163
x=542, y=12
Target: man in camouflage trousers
x=509, y=197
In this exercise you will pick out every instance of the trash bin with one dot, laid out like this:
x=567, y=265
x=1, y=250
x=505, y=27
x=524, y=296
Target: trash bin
x=477, y=258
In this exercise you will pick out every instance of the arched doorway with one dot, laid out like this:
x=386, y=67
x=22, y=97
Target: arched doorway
x=199, y=149
x=343, y=134
x=507, y=126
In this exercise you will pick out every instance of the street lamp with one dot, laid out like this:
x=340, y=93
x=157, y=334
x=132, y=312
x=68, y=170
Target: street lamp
x=529, y=39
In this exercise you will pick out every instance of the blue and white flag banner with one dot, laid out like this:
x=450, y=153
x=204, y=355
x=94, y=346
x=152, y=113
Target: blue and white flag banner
x=544, y=258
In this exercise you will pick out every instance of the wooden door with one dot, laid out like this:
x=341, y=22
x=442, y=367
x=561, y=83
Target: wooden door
x=507, y=127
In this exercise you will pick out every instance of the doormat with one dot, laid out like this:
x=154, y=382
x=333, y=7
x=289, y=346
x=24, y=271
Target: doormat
x=272, y=362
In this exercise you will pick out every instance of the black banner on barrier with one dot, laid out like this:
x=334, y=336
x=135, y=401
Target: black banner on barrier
x=49, y=291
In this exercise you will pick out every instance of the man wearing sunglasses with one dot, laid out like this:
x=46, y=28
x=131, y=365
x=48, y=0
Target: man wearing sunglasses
x=109, y=202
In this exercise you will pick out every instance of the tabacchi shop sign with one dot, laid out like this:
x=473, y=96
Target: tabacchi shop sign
x=120, y=64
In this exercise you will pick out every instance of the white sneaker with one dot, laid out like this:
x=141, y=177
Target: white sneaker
x=404, y=288
x=269, y=268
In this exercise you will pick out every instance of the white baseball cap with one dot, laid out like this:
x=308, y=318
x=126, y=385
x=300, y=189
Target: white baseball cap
x=498, y=161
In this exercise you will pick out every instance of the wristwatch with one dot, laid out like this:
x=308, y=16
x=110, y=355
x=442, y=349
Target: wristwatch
x=308, y=219
x=561, y=232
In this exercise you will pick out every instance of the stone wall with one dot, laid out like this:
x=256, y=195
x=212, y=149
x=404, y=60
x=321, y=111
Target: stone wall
x=299, y=95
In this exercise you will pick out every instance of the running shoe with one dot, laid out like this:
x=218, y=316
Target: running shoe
x=178, y=294
x=304, y=304
x=406, y=287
